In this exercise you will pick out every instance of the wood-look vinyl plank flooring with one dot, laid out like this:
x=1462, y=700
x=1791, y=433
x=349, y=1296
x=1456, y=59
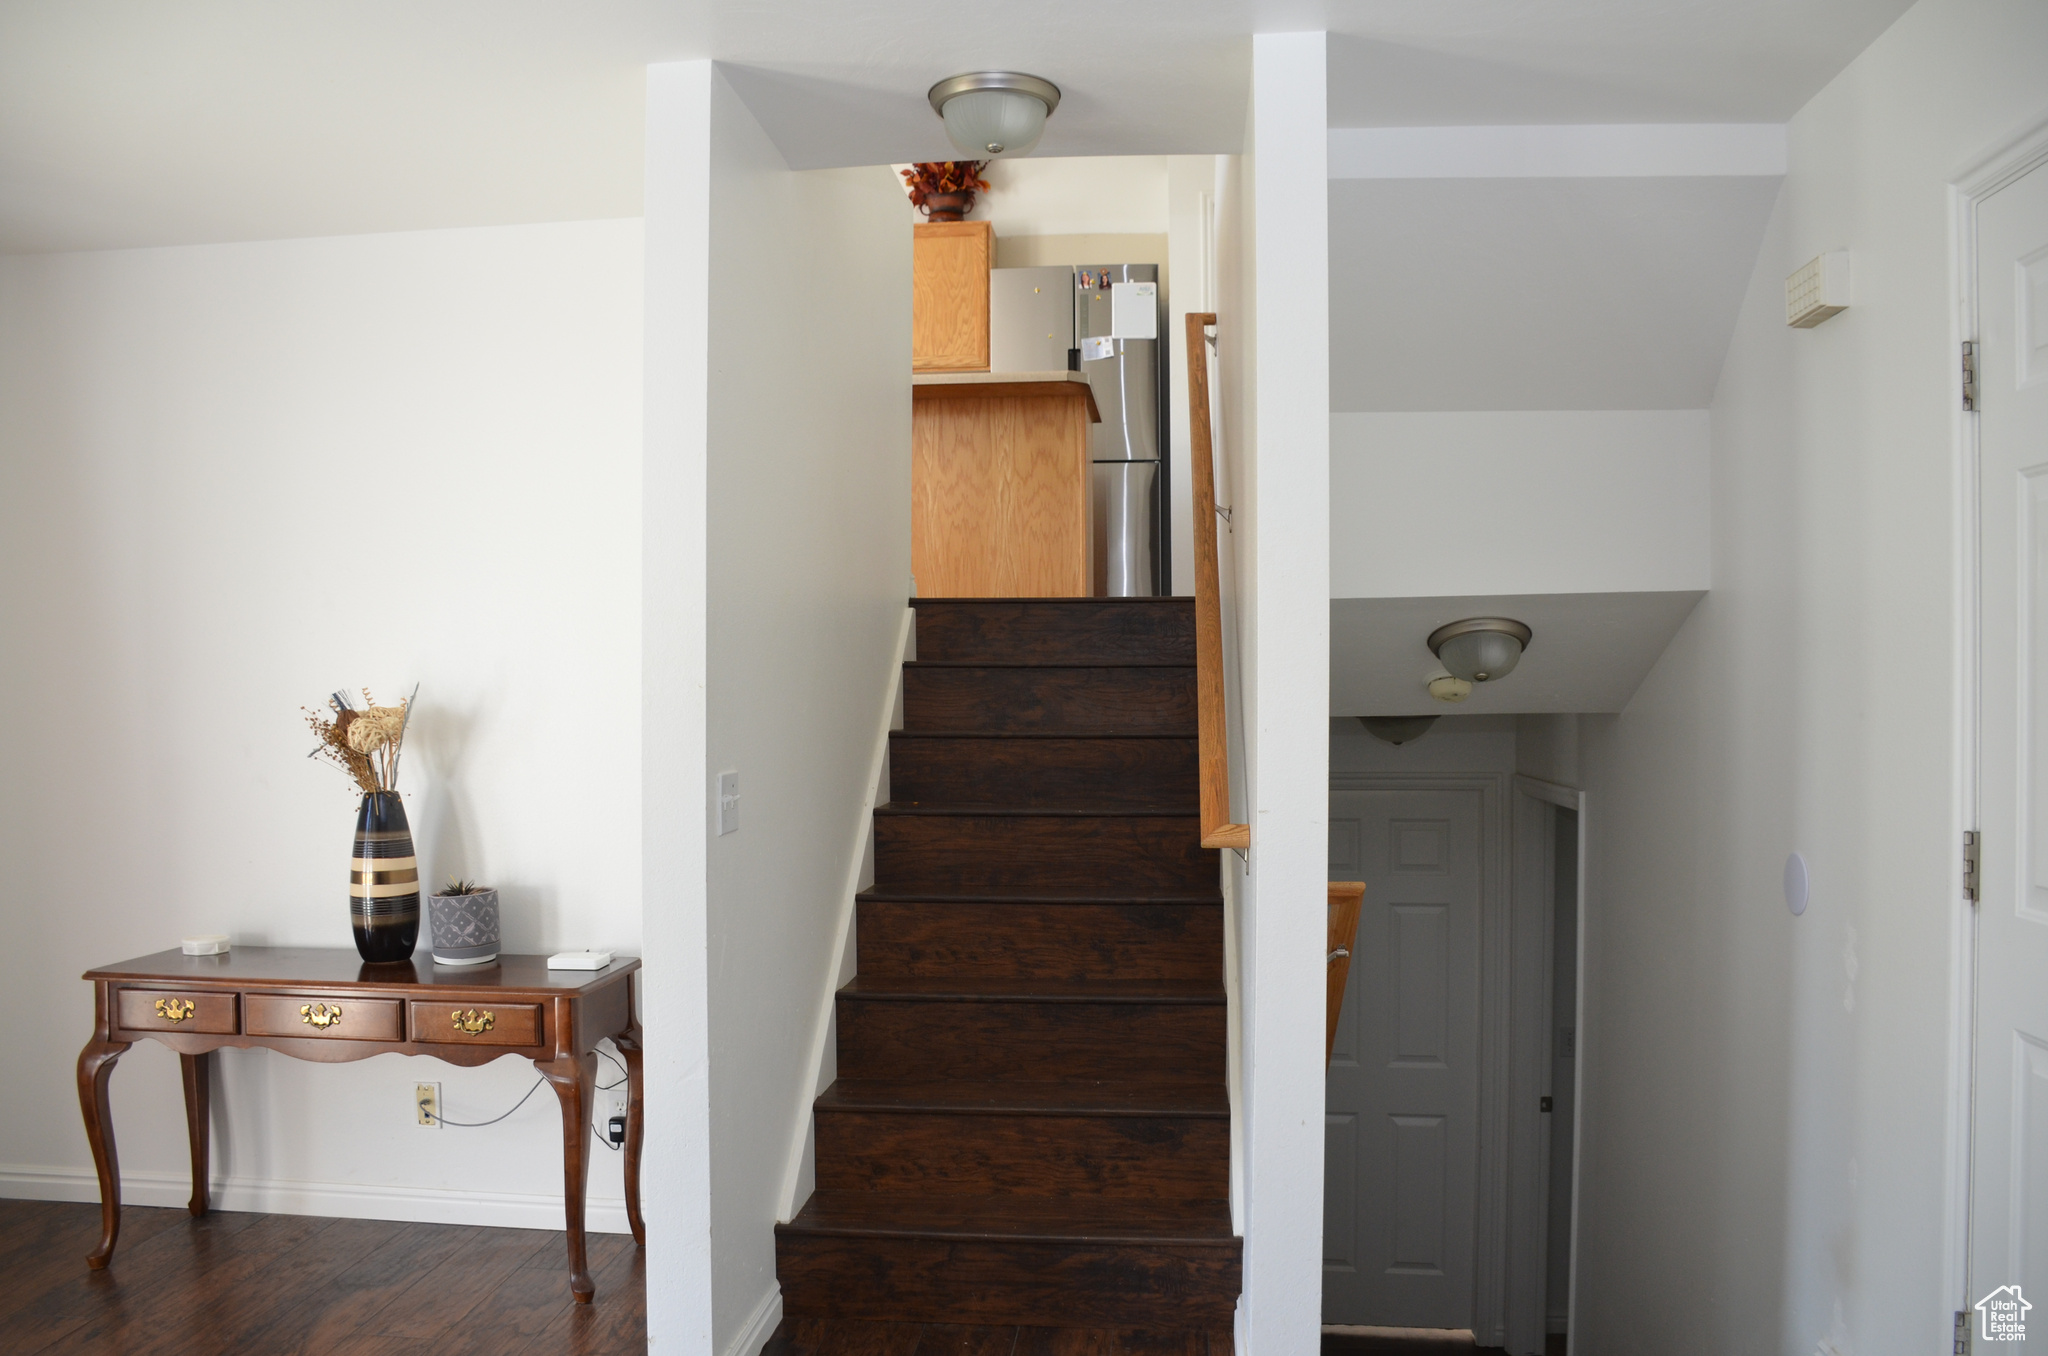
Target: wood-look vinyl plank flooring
x=1416, y=1342
x=240, y=1284
x=856, y=1337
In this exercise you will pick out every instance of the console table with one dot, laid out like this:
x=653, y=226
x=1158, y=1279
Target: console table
x=326, y=1005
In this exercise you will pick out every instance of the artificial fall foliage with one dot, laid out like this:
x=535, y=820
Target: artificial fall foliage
x=943, y=176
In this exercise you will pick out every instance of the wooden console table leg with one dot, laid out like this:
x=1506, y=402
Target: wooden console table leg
x=95, y=1068
x=575, y=1081
x=198, y=1072
x=628, y=1042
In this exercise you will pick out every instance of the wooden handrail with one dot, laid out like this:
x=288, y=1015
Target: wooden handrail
x=1212, y=721
x=1346, y=897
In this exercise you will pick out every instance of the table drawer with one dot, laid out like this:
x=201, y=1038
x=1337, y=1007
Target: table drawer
x=325, y=1016
x=477, y=1023
x=213, y=1014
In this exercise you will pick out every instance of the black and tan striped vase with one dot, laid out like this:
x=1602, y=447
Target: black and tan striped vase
x=384, y=881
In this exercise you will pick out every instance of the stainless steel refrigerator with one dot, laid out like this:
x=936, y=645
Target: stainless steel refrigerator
x=1110, y=327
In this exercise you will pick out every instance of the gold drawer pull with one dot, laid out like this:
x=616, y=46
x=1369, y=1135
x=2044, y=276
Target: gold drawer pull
x=473, y=1023
x=320, y=1015
x=174, y=1009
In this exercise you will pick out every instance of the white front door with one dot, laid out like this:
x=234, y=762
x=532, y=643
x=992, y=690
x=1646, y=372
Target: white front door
x=1401, y=1143
x=2009, y=1169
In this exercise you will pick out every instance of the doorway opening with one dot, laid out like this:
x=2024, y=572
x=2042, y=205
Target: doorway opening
x=1451, y=1097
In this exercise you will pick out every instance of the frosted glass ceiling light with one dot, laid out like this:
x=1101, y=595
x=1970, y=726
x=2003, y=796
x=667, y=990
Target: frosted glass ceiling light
x=1397, y=730
x=994, y=113
x=1480, y=649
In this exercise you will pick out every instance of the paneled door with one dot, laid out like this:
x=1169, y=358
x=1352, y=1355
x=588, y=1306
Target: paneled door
x=2009, y=1167
x=1400, y=1133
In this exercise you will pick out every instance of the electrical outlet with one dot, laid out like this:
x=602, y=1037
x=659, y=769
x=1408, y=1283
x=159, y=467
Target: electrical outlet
x=427, y=1102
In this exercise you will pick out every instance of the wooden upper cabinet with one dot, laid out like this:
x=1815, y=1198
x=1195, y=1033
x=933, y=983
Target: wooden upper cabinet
x=949, y=296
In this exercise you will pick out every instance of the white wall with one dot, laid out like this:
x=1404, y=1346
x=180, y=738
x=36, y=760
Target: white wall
x=1075, y=195
x=232, y=479
x=786, y=473
x=1530, y=501
x=1547, y=748
x=1190, y=234
x=1766, y=1097
x=1274, y=341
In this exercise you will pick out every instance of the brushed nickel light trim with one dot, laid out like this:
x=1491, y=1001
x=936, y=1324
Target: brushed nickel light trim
x=1505, y=625
x=1015, y=82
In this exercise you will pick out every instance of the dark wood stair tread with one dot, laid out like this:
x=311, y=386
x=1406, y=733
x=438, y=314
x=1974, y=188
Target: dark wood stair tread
x=992, y=811
x=924, y=989
x=883, y=896
x=1040, y=734
x=1178, y=601
x=1012, y=1219
x=1101, y=1097
x=1045, y=664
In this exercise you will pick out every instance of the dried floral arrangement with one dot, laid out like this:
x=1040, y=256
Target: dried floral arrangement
x=927, y=177
x=363, y=743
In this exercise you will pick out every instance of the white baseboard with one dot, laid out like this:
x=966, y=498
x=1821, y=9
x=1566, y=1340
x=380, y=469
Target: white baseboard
x=342, y=1200
x=760, y=1325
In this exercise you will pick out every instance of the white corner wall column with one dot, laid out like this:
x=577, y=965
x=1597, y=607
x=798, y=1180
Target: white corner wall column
x=1282, y=545
x=777, y=557
x=676, y=1158
x=1788, y=1084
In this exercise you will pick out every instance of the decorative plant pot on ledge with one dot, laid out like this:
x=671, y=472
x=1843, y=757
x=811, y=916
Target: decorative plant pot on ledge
x=948, y=206
x=464, y=927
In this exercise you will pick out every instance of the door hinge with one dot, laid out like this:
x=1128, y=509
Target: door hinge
x=1973, y=863
x=1962, y=1333
x=1969, y=376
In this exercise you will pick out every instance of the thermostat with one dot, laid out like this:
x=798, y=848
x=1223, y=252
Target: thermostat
x=1818, y=290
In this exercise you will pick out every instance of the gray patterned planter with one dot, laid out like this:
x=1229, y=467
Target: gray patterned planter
x=464, y=927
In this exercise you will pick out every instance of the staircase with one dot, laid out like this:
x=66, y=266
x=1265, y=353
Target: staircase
x=1030, y=1123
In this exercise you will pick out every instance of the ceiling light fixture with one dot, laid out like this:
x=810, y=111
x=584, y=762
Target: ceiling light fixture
x=994, y=113
x=1397, y=730
x=1480, y=649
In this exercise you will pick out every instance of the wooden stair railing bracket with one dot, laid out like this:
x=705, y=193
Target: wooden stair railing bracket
x=1211, y=711
x=1346, y=900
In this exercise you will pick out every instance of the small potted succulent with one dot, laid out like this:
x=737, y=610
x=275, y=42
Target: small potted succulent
x=944, y=189
x=463, y=921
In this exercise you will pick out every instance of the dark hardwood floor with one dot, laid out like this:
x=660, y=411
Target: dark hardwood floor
x=1395, y=1342
x=297, y=1285
x=855, y=1337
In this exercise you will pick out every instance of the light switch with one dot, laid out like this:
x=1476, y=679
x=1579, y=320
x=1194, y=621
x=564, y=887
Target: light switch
x=728, y=803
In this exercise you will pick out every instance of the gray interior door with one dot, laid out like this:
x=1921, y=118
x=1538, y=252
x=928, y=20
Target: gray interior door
x=1400, y=1131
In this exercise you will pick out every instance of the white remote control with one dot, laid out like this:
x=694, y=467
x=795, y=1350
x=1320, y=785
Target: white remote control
x=579, y=960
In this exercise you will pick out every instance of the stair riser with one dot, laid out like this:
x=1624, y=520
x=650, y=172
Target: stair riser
x=976, y=854
x=1044, y=633
x=944, y=1154
x=1040, y=941
x=1056, y=700
x=1137, y=774
x=1050, y=1284
x=1037, y=1041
